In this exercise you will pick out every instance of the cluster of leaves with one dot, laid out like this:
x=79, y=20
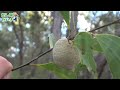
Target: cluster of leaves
x=108, y=44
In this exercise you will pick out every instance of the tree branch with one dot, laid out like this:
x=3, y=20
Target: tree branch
x=114, y=22
x=33, y=59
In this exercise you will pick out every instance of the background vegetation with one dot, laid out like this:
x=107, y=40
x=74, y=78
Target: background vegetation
x=23, y=40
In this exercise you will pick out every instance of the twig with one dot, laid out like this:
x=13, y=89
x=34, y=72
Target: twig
x=71, y=37
x=117, y=21
x=32, y=60
x=114, y=22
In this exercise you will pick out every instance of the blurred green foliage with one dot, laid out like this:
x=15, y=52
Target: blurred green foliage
x=35, y=27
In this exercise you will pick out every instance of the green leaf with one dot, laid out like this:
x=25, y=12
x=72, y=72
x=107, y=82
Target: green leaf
x=84, y=42
x=96, y=46
x=60, y=72
x=110, y=45
x=52, y=40
x=66, y=17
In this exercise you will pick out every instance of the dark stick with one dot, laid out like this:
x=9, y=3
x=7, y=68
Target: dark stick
x=71, y=37
x=117, y=21
x=114, y=22
x=32, y=60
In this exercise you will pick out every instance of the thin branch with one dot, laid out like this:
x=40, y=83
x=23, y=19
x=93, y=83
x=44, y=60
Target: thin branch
x=32, y=60
x=117, y=21
x=114, y=22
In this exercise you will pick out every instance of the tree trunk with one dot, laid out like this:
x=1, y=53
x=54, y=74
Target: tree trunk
x=20, y=38
x=21, y=47
x=56, y=30
x=73, y=25
x=57, y=22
